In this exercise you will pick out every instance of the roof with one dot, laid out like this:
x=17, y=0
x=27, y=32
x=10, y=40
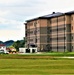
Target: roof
x=47, y=16
x=70, y=12
x=2, y=45
x=57, y=14
x=52, y=15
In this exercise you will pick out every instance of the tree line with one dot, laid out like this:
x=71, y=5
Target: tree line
x=19, y=43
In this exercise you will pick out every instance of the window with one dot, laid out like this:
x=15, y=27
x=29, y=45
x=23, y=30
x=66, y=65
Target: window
x=64, y=37
x=72, y=27
x=61, y=19
x=31, y=32
x=50, y=30
x=54, y=47
x=72, y=37
x=61, y=28
x=61, y=38
x=31, y=24
x=61, y=47
x=35, y=32
x=26, y=34
x=64, y=47
x=31, y=39
x=53, y=21
x=72, y=18
x=54, y=38
x=50, y=47
x=72, y=47
x=35, y=40
x=35, y=23
x=25, y=26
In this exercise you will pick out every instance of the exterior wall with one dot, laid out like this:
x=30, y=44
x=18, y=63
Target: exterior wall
x=53, y=32
x=72, y=31
x=37, y=33
x=3, y=48
x=43, y=22
x=43, y=35
x=68, y=37
x=60, y=33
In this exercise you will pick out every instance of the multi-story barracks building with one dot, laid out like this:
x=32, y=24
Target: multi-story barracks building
x=53, y=32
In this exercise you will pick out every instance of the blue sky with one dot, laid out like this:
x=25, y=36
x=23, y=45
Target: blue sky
x=13, y=13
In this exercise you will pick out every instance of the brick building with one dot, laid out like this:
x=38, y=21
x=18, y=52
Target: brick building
x=53, y=32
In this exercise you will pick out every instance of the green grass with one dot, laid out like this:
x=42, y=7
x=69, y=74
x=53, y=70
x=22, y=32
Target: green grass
x=46, y=55
x=35, y=65
x=58, y=53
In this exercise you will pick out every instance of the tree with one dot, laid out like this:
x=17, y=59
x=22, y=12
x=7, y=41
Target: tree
x=19, y=43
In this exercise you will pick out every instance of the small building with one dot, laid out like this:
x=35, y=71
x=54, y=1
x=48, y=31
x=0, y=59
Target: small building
x=26, y=50
x=3, y=48
x=11, y=50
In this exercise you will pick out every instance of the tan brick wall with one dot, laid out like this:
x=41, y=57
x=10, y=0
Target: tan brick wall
x=32, y=25
x=68, y=19
x=38, y=23
x=48, y=22
x=54, y=22
x=61, y=20
x=43, y=22
x=72, y=23
x=28, y=25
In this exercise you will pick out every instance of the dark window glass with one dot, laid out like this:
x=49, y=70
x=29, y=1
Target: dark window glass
x=72, y=37
x=72, y=47
x=72, y=27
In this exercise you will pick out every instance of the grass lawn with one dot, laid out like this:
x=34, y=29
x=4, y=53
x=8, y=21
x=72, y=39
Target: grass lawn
x=22, y=65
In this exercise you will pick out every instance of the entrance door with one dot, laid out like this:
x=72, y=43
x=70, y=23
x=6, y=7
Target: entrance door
x=27, y=50
x=33, y=50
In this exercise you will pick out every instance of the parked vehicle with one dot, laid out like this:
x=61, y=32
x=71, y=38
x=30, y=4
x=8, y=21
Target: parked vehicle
x=1, y=51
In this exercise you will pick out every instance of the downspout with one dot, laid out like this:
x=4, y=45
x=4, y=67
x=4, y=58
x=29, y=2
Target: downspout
x=51, y=36
x=64, y=33
x=40, y=34
x=57, y=34
x=29, y=37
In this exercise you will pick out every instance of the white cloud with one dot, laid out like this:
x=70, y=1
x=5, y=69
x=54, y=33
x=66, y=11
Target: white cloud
x=13, y=14
x=11, y=24
x=11, y=34
x=12, y=30
x=8, y=2
x=3, y=13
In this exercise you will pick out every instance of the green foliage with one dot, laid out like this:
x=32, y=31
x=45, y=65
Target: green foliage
x=11, y=46
x=19, y=43
x=7, y=43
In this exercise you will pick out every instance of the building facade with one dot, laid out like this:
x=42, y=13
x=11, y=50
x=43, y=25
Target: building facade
x=3, y=48
x=53, y=32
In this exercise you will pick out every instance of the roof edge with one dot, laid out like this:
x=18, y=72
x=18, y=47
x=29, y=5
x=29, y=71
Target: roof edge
x=52, y=16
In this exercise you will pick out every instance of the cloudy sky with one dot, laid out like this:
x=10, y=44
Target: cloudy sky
x=13, y=14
